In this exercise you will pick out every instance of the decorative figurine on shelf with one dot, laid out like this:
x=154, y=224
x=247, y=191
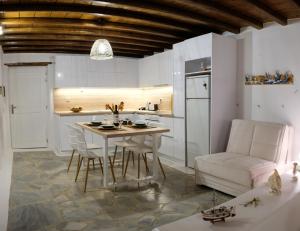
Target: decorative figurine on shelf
x=218, y=214
x=295, y=178
x=274, y=182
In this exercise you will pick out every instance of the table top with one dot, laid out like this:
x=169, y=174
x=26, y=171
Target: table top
x=124, y=131
x=268, y=215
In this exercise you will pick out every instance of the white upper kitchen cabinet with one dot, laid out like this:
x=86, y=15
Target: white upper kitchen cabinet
x=156, y=69
x=81, y=71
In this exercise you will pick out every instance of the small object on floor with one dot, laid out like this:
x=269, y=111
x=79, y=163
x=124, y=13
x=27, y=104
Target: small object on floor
x=295, y=178
x=255, y=201
x=274, y=182
x=218, y=214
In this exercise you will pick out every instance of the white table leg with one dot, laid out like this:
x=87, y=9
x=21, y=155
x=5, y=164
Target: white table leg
x=105, y=164
x=155, y=155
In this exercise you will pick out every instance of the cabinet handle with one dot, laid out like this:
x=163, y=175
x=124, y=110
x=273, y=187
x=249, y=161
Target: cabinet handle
x=13, y=107
x=205, y=86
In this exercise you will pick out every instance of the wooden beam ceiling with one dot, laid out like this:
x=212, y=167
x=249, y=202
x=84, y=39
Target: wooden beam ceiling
x=67, y=37
x=93, y=24
x=134, y=28
x=220, y=8
x=276, y=16
x=179, y=21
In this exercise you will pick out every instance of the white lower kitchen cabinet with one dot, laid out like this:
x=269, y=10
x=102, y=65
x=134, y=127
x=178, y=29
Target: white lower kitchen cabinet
x=179, y=138
x=62, y=132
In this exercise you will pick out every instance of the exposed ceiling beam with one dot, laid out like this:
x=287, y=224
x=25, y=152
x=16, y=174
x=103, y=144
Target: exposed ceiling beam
x=92, y=24
x=297, y=2
x=84, y=38
x=76, y=44
x=267, y=9
x=162, y=17
x=70, y=52
x=168, y=11
x=99, y=33
x=74, y=48
x=218, y=7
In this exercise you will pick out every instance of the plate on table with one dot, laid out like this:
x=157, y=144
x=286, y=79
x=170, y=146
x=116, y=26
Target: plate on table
x=94, y=123
x=139, y=126
x=107, y=127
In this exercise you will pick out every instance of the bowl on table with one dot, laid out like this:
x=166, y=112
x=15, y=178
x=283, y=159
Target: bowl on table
x=95, y=123
x=140, y=124
x=107, y=127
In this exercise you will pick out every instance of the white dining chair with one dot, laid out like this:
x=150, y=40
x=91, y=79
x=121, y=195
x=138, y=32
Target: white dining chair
x=124, y=144
x=143, y=147
x=73, y=142
x=90, y=155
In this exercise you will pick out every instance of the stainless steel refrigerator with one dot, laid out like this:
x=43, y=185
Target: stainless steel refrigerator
x=197, y=115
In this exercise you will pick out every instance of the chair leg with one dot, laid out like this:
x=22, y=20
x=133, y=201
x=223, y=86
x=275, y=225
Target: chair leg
x=112, y=169
x=87, y=174
x=132, y=158
x=80, y=159
x=101, y=167
x=94, y=164
x=115, y=154
x=139, y=170
x=128, y=158
x=145, y=161
x=123, y=159
x=161, y=167
x=139, y=165
x=71, y=159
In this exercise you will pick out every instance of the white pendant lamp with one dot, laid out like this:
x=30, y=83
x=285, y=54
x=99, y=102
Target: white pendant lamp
x=101, y=50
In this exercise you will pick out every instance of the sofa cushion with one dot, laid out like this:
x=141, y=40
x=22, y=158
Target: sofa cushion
x=233, y=167
x=241, y=135
x=266, y=141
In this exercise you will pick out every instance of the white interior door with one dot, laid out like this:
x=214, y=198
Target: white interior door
x=28, y=92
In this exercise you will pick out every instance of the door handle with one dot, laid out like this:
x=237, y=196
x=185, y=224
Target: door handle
x=205, y=86
x=13, y=107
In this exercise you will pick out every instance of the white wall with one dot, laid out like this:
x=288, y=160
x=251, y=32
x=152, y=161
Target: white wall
x=272, y=48
x=5, y=155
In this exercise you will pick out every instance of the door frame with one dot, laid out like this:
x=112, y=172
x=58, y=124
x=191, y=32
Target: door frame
x=45, y=103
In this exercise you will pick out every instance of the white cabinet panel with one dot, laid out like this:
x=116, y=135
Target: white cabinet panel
x=167, y=146
x=168, y=123
x=179, y=138
x=197, y=128
x=81, y=71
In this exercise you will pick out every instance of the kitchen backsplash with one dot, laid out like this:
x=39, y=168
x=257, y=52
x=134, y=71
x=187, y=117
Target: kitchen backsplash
x=91, y=99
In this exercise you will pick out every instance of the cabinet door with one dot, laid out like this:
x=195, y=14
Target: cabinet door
x=168, y=123
x=165, y=64
x=179, y=138
x=197, y=130
x=167, y=146
x=64, y=72
x=178, y=82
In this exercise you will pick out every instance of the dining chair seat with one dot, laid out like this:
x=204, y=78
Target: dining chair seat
x=93, y=146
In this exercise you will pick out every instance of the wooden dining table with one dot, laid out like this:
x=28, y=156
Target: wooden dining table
x=126, y=131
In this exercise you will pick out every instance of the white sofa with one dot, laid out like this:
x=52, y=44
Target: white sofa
x=254, y=150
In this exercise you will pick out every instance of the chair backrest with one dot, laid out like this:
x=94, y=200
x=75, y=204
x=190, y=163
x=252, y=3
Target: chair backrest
x=72, y=136
x=149, y=138
x=81, y=142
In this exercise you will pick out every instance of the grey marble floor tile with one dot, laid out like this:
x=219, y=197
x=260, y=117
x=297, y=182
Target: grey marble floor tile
x=44, y=197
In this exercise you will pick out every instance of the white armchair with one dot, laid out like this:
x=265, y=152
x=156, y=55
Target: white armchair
x=254, y=150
